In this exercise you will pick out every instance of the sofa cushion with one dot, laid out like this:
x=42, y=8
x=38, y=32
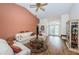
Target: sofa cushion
x=25, y=50
x=16, y=49
x=22, y=35
x=33, y=34
x=10, y=41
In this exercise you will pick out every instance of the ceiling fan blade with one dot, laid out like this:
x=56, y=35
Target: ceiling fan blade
x=32, y=6
x=37, y=9
x=44, y=4
x=42, y=9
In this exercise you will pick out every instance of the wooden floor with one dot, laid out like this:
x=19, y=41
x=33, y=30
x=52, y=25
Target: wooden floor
x=57, y=46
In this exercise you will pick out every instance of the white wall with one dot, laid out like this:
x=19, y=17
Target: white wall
x=48, y=21
x=73, y=15
x=74, y=12
x=64, y=19
x=45, y=23
x=61, y=21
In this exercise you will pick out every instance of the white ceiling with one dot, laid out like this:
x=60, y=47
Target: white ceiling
x=51, y=10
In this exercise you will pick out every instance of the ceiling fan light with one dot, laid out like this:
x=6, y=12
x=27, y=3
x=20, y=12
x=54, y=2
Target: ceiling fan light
x=39, y=6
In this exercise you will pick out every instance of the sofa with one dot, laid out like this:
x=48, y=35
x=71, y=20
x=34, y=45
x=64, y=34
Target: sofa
x=25, y=37
x=5, y=48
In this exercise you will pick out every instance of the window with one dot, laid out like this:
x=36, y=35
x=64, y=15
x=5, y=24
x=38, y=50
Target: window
x=53, y=29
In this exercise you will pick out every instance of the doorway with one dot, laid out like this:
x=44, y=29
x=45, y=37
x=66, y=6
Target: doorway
x=53, y=30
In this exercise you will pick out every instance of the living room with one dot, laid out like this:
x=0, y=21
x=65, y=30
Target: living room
x=39, y=28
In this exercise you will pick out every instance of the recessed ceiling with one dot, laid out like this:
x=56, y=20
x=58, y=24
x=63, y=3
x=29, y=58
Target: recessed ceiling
x=51, y=10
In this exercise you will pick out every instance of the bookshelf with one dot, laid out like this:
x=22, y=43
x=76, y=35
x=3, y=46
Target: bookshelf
x=73, y=35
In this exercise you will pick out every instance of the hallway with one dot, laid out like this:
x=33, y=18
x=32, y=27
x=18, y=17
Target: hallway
x=57, y=46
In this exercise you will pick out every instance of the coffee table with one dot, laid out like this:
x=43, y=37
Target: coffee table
x=37, y=51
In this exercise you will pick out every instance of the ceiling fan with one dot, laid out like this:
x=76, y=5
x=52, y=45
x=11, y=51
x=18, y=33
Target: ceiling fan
x=39, y=6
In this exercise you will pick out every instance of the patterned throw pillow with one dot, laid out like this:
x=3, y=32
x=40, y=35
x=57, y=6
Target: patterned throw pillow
x=16, y=49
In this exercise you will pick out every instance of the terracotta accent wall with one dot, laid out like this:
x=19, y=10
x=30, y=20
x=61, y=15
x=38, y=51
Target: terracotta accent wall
x=14, y=18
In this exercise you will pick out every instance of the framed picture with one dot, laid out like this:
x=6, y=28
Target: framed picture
x=42, y=28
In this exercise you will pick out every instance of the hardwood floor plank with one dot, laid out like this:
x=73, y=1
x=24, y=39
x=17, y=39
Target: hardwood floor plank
x=57, y=46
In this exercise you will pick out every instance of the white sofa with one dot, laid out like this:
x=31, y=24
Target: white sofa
x=5, y=49
x=26, y=37
x=25, y=50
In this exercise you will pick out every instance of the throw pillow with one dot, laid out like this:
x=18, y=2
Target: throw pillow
x=16, y=49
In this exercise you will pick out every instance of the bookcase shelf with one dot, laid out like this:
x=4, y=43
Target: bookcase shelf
x=73, y=35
